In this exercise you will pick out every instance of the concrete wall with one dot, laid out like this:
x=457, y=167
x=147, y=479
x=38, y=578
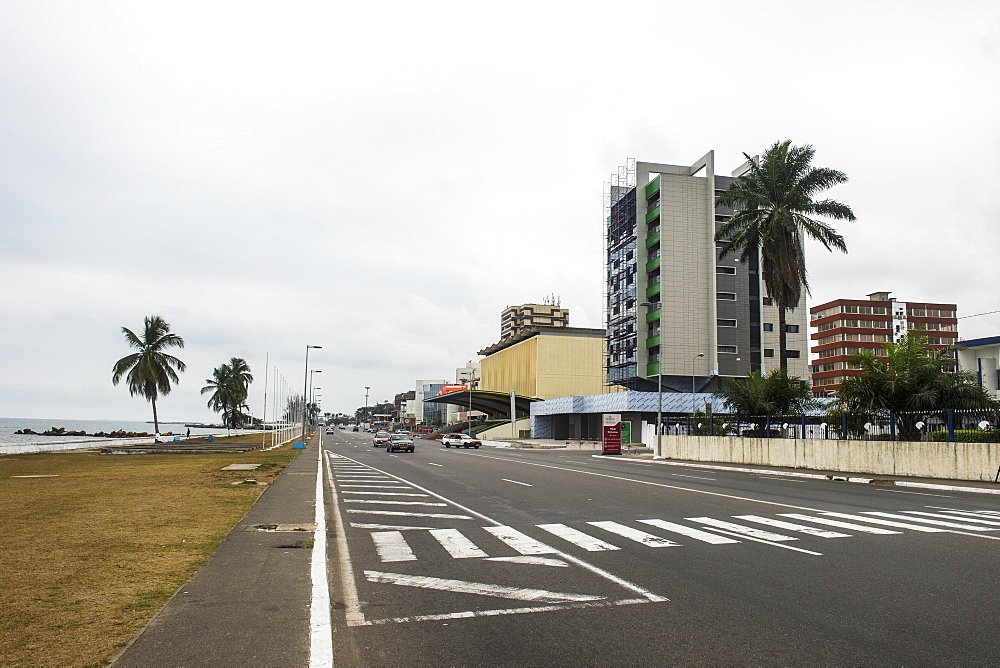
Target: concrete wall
x=503, y=432
x=953, y=461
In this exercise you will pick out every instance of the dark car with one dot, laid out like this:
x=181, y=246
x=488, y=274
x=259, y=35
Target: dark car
x=399, y=442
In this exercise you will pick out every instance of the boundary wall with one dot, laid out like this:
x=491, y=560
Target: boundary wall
x=925, y=459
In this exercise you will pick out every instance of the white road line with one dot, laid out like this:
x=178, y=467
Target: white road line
x=472, y=614
x=772, y=544
x=779, y=524
x=457, y=545
x=741, y=530
x=320, y=621
x=480, y=588
x=387, y=527
x=400, y=513
x=647, y=539
x=516, y=482
x=394, y=485
x=840, y=525
x=690, y=532
x=887, y=523
x=433, y=464
x=535, y=561
x=391, y=546
x=387, y=494
x=899, y=491
x=352, y=604
x=520, y=542
x=950, y=525
x=966, y=513
x=952, y=517
x=681, y=475
x=577, y=537
x=387, y=502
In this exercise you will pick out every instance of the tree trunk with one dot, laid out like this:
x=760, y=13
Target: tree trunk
x=782, y=339
x=156, y=420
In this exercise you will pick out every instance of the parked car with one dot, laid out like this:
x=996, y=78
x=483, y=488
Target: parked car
x=399, y=442
x=381, y=438
x=460, y=441
x=329, y=430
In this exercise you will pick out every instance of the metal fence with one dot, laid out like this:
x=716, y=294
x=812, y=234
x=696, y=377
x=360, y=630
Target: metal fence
x=947, y=426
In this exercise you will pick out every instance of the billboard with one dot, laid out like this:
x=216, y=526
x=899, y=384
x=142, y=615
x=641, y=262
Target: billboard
x=445, y=389
x=612, y=434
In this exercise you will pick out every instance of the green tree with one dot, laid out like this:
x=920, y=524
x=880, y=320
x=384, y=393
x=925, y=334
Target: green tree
x=230, y=386
x=757, y=395
x=149, y=371
x=774, y=207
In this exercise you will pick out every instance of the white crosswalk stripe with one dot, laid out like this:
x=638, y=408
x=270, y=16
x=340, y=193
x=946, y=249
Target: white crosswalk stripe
x=520, y=542
x=690, y=532
x=457, y=545
x=740, y=529
x=840, y=525
x=647, y=539
x=940, y=523
x=779, y=524
x=387, y=502
x=391, y=546
x=887, y=523
x=577, y=537
x=965, y=517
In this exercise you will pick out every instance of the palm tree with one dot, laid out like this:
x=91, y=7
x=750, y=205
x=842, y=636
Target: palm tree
x=229, y=385
x=774, y=204
x=149, y=371
x=757, y=395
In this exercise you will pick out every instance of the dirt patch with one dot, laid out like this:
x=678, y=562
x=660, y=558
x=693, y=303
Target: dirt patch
x=91, y=555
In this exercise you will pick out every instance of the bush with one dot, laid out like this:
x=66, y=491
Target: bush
x=968, y=436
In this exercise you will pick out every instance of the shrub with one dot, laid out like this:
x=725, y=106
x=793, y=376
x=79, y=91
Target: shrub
x=968, y=436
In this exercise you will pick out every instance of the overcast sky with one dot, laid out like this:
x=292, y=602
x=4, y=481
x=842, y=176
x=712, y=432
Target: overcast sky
x=382, y=179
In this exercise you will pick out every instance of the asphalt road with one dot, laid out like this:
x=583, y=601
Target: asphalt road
x=504, y=557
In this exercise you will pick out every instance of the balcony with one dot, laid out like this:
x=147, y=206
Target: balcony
x=653, y=290
x=653, y=264
x=653, y=239
x=653, y=341
x=654, y=214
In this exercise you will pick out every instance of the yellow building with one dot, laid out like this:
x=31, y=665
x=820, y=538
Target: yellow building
x=546, y=362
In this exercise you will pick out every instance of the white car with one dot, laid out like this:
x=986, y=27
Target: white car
x=460, y=441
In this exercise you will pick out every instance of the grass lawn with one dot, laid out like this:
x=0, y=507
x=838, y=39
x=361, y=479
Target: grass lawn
x=87, y=558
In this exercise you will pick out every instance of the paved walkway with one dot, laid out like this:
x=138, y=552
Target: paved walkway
x=249, y=606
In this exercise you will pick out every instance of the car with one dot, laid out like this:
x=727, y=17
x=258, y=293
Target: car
x=460, y=441
x=381, y=438
x=329, y=430
x=355, y=429
x=399, y=442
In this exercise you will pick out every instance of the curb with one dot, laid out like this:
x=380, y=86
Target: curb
x=888, y=482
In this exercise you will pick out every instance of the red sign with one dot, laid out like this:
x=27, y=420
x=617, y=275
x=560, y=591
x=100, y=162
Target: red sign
x=612, y=434
x=445, y=389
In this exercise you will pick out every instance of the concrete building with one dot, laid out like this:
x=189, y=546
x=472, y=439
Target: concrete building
x=546, y=362
x=516, y=319
x=420, y=413
x=981, y=356
x=710, y=317
x=845, y=327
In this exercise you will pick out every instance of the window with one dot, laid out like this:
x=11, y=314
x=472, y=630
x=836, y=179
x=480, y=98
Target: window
x=792, y=354
x=768, y=352
x=792, y=329
x=725, y=270
x=726, y=323
x=768, y=326
x=767, y=301
x=730, y=350
x=726, y=296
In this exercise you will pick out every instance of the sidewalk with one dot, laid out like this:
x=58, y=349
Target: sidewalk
x=250, y=604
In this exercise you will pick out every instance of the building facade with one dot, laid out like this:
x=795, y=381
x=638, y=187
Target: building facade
x=516, y=319
x=674, y=309
x=981, y=357
x=844, y=327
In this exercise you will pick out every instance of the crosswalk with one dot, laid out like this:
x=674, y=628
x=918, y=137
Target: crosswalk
x=385, y=501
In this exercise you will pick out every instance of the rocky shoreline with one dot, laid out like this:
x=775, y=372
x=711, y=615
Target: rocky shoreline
x=62, y=431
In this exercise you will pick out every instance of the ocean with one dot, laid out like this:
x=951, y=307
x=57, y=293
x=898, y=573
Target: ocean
x=11, y=442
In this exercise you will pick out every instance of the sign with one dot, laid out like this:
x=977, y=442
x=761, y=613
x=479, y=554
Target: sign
x=611, y=436
x=626, y=433
x=445, y=389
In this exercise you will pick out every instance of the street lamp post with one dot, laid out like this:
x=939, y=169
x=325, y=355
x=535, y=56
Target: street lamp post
x=693, y=360
x=305, y=390
x=659, y=388
x=365, y=415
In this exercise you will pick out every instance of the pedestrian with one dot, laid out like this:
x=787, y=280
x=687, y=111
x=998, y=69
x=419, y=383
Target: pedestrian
x=189, y=433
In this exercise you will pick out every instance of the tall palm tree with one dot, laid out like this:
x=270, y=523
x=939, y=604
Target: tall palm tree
x=229, y=385
x=150, y=371
x=774, y=207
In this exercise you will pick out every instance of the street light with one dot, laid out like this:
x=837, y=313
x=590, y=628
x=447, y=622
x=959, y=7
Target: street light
x=367, y=387
x=305, y=390
x=693, y=360
x=659, y=387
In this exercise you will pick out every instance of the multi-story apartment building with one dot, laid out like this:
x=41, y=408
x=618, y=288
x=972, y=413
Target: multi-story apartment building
x=845, y=327
x=516, y=319
x=673, y=307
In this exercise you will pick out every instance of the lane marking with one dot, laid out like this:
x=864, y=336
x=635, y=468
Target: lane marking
x=840, y=525
x=767, y=542
x=779, y=524
x=394, y=485
x=389, y=502
x=647, y=539
x=479, y=588
x=535, y=561
x=401, y=513
x=352, y=605
x=952, y=517
x=940, y=523
x=697, y=534
x=524, y=544
x=898, y=525
x=433, y=464
x=320, y=621
x=391, y=546
x=516, y=482
x=577, y=537
x=387, y=494
x=471, y=614
x=456, y=544
x=741, y=530
x=393, y=527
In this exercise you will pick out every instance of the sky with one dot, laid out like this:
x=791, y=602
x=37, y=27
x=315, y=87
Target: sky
x=382, y=179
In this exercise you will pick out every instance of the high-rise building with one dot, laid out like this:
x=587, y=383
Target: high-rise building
x=517, y=319
x=845, y=327
x=673, y=308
